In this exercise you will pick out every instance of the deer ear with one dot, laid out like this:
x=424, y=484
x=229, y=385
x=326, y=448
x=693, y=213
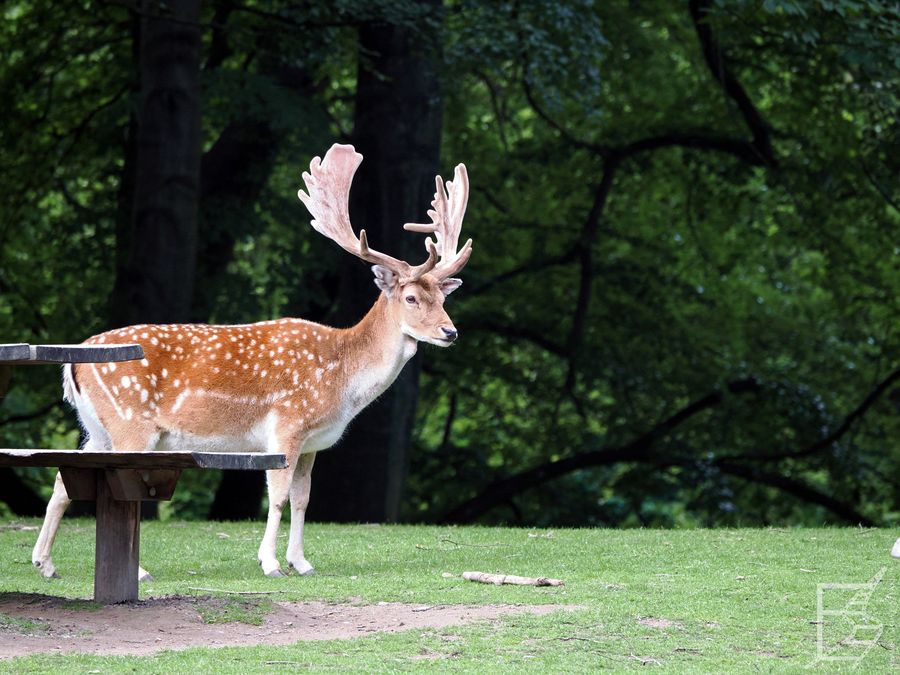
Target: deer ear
x=450, y=285
x=386, y=279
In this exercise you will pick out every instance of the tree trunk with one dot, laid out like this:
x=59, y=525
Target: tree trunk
x=235, y=171
x=238, y=496
x=157, y=236
x=397, y=128
x=155, y=283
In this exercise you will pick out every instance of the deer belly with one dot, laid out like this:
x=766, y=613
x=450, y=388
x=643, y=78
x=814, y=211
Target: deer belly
x=188, y=442
x=323, y=437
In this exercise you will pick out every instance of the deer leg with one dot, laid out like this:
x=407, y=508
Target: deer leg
x=56, y=507
x=279, y=483
x=299, y=501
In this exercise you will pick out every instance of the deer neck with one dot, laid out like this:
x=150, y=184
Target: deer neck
x=374, y=352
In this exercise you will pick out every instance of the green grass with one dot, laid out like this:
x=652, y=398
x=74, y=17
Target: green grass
x=732, y=600
x=11, y=624
x=235, y=610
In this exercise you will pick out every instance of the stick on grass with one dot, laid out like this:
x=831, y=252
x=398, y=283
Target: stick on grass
x=500, y=579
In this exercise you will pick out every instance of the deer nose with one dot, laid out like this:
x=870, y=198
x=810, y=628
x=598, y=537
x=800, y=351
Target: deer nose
x=450, y=333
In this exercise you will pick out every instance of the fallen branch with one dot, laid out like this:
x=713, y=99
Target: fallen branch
x=456, y=543
x=499, y=579
x=219, y=590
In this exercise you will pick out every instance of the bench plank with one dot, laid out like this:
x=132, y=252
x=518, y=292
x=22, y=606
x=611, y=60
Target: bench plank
x=15, y=352
x=86, y=353
x=26, y=354
x=83, y=459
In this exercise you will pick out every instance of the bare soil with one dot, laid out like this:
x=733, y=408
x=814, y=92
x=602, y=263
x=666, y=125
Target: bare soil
x=57, y=625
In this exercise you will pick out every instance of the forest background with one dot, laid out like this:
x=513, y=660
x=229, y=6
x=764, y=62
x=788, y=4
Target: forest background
x=683, y=308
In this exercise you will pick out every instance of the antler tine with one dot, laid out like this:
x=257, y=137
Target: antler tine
x=328, y=182
x=449, y=209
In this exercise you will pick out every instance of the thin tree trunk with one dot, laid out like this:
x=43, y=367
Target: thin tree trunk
x=235, y=171
x=397, y=128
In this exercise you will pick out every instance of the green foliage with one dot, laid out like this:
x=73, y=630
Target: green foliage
x=706, y=271
x=706, y=266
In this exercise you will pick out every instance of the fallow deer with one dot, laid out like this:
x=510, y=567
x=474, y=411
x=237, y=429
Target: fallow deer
x=285, y=386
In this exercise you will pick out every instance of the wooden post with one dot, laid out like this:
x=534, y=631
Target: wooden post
x=118, y=545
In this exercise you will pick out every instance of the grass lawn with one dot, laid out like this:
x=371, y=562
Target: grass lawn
x=687, y=600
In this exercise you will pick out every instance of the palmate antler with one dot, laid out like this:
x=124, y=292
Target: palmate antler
x=328, y=182
x=446, y=223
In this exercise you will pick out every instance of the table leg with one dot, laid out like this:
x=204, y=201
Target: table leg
x=118, y=545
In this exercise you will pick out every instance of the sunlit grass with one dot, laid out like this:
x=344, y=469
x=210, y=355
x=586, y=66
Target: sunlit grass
x=693, y=600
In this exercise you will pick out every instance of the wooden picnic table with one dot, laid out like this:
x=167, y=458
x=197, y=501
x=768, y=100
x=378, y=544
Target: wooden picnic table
x=117, y=481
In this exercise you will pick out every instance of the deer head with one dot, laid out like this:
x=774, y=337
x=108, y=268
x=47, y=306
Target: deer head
x=415, y=293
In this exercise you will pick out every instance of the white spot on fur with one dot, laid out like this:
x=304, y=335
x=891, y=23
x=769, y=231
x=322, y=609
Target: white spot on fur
x=180, y=400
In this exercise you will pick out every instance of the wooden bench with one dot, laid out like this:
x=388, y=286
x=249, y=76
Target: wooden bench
x=117, y=481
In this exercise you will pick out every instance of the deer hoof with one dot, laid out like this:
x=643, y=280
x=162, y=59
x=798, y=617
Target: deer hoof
x=46, y=568
x=304, y=569
x=270, y=567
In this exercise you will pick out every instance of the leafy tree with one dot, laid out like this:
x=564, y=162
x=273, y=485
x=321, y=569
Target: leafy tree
x=682, y=306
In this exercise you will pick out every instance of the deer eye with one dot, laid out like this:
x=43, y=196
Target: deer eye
x=411, y=299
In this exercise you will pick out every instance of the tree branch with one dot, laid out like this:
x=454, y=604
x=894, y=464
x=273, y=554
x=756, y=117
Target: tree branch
x=219, y=48
x=520, y=333
x=637, y=450
x=880, y=188
x=527, y=268
x=743, y=150
x=586, y=275
x=715, y=59
x=796, y=488
x=34, y=414
x=601, y=150
x=836, y=435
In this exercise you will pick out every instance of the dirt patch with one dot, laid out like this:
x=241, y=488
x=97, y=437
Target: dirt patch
x=45, y=624
x=656, y=622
